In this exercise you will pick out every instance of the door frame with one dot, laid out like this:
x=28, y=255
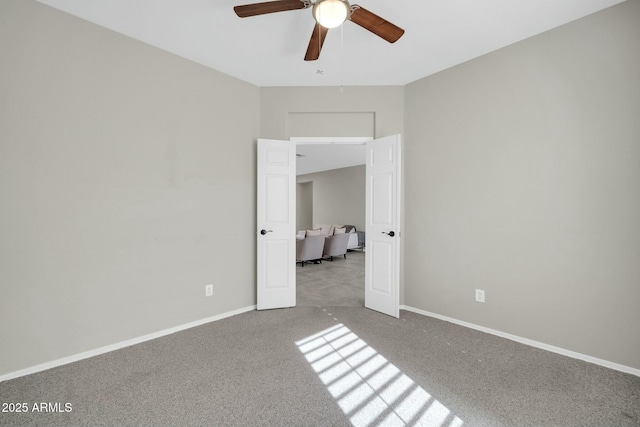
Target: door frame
x=327, y=140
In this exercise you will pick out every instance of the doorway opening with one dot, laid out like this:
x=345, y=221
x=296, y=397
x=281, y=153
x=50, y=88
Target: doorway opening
x=330, y=194
x=276, y=217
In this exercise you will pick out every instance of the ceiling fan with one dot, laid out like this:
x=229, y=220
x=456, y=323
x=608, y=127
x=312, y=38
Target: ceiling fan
x=328, y=14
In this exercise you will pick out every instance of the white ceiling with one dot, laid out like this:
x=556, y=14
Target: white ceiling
x=322, y=157
x=268, y=50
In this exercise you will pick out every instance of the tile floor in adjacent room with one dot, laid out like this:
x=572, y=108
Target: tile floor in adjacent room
x=332, y=283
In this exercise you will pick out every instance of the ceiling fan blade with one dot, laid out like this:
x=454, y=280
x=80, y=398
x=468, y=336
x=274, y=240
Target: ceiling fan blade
x=254, y=9
x=377, y=25
x=316, y=42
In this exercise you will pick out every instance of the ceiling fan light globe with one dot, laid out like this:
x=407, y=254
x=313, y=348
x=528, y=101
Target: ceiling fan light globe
x=331, y=13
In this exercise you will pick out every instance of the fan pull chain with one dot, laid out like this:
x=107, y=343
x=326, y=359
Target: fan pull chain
x=319, y=30
x=320, y=71
x=342, y=57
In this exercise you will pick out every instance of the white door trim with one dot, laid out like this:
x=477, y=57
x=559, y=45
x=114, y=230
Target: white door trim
x=330, y=140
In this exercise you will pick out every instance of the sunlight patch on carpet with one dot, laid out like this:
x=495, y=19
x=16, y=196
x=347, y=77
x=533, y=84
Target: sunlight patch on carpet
x=367, y=387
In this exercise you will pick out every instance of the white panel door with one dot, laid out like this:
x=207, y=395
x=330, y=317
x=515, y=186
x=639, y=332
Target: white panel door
x=382, y=256
x=276, y=242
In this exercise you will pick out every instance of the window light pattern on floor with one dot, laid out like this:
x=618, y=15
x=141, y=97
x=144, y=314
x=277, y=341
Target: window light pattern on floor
x=367, y=387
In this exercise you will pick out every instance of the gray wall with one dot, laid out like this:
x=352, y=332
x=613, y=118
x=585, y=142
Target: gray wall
x=304, y=205
x=280, y=106
x=523, y=179
x=126, y=181
x=338, y=196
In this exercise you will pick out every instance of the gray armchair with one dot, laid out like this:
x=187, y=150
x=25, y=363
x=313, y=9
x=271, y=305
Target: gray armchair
x=309, y=249
x=336, y=245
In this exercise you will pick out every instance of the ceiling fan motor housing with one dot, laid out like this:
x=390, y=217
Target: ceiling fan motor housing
x=331, y=13
x=327, y=14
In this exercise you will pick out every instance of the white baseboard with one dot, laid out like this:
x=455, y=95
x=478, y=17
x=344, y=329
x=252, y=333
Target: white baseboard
x=532, y=343
x=122, y=344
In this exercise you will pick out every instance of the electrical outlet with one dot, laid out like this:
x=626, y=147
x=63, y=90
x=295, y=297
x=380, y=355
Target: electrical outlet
x=208, y=290
x=479, y=295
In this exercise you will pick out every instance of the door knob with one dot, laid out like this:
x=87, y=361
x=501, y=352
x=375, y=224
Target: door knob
x=263, y=231
x=391, y=233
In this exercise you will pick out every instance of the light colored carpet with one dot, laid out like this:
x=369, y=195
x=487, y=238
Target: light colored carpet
x=328, y=366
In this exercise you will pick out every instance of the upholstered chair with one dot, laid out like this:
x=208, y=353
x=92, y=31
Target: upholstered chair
x=309, y=249
x=335, y=245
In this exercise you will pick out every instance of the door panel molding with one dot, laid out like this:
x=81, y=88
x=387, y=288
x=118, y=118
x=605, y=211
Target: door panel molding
x=382, y=256
x=276, y=251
